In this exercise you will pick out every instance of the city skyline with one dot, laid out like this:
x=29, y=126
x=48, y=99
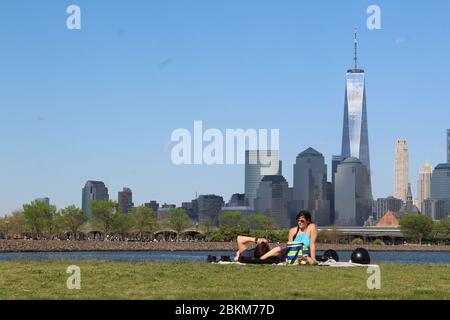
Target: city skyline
x=124, y=83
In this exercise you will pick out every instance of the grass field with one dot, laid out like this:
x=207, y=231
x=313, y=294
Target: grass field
x=104, y=280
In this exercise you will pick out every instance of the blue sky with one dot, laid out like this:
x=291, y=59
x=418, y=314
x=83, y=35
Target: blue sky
x=101, y=103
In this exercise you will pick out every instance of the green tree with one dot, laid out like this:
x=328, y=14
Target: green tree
x=179, y=220
x=40, y=217
x=16, y=222
x=231, y=219
x=207, y=225
x=72, y=219
x=121, y=223
x=416, y=227
x=144, y=220
x=3, y=224
x=441, y=230
x=58, y=224
x=103, y=212
x=259, y=222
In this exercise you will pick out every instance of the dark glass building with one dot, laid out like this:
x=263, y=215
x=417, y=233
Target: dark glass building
x=274, y=200
x=210, y=206
x=310, y=186
x=353, y=198
x=125, y=200
x=93, y=191
x=355, y=136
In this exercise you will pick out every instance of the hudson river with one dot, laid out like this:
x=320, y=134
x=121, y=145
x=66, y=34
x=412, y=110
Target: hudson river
x=411, y=257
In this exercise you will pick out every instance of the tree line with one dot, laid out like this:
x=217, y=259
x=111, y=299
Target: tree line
x=43, y=221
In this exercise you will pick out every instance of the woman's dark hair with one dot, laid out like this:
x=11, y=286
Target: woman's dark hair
x=306, y=215
x=261, y=249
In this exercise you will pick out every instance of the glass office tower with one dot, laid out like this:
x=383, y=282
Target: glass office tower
x=355, y=136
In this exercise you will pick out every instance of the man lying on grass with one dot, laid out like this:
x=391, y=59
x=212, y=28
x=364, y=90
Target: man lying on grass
x=301, y=247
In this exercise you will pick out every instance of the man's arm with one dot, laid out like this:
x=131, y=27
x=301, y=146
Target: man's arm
x=243, y=241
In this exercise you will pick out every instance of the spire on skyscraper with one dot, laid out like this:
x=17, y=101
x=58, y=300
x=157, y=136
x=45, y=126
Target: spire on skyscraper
x=356, y=48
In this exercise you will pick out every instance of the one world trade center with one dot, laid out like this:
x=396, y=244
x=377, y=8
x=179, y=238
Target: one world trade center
x=355, y=137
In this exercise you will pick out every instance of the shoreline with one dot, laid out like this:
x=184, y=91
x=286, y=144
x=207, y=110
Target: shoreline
x=18, y=246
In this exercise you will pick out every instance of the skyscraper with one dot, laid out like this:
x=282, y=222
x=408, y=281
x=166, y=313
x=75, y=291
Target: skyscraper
x=45, y=200
x=401, y=170
x=424, y=184
x=353, y=196
x=274, y=199
x=355, y=137
x=256, y=167
x=125, y=199
x=209, y=206
x=93, y=191
x=440, y=182
x=310, y=186
x=336, y=161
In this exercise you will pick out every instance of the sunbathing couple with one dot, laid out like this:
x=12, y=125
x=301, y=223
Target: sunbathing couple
x=305, y=233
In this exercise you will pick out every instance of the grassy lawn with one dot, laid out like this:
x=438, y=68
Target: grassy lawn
x=104, y=280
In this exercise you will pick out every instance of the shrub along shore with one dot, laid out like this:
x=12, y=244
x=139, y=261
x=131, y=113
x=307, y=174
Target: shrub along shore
x=77, y=246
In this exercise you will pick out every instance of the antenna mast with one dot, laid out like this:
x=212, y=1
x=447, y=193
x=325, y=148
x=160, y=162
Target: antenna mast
x=356, y=49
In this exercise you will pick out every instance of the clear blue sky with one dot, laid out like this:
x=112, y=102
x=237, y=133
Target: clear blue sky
x=102, y=102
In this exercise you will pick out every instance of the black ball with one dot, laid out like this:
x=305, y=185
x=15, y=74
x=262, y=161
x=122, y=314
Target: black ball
x=211, y=259
x=360, y=256
x=331, y=254
x=225, y=259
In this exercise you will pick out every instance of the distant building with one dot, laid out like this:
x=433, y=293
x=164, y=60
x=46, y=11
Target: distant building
x=191, y=209
x=162, y=214
x=424, y=184
x=336, y=161
x=355, y=135
x=210, y=206
x=243, y=210
x=401, y=170
x=389, y=220
x=436, y=209
x=93, y=191
x=353, y=197
x=152, y=205
x=125, y=200
x=438, y=206
x=43, y=200
x=255, y=170
x=237, y=200
x=440, y=182
x=310, y=186
x=274, y=199
x=387, y=204
x=168, y=206
x=408, y=207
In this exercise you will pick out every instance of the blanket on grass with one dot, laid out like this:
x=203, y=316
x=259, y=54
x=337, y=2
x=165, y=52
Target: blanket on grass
x=329, y=263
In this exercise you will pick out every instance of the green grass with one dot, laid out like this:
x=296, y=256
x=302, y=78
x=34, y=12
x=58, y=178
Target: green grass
x=104, y=280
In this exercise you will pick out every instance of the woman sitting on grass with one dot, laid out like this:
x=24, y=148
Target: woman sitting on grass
x=305, y=233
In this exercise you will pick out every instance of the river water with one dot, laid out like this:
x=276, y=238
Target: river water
x=201, y=256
